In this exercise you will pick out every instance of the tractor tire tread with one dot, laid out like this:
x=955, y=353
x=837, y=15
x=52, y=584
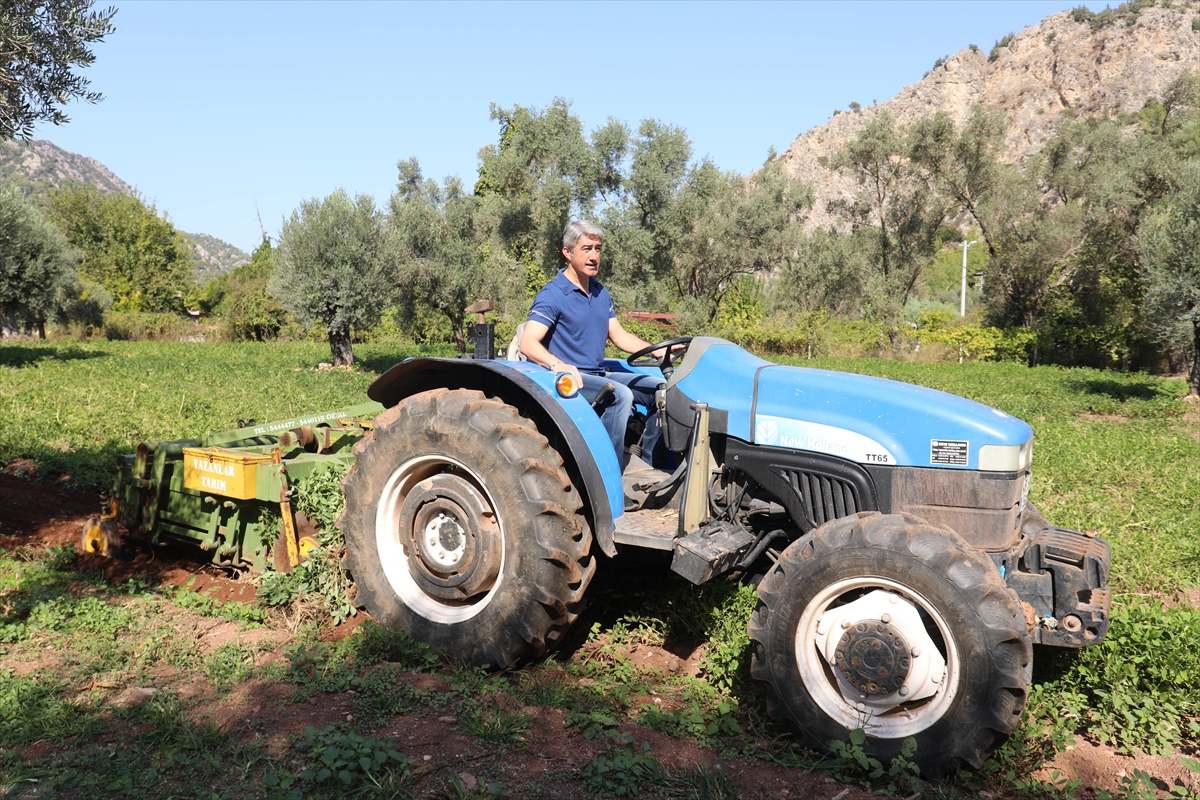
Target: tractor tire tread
x=557, y=533
x=975, y=580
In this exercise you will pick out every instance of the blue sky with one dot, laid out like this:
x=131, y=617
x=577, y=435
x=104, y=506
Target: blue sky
x=214, y=109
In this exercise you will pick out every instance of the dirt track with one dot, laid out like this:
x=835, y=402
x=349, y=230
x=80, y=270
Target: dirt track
x=50, y=515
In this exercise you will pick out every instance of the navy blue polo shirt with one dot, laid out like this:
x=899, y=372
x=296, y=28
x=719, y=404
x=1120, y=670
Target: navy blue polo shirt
x=578, y=321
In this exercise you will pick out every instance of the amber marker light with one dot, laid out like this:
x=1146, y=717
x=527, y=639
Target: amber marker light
x=566, y=385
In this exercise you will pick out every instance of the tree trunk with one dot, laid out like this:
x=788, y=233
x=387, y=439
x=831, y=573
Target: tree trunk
x=339, y=345
x=8, y=324
x=41, y=329
x=1194, y=378
x=456, y=325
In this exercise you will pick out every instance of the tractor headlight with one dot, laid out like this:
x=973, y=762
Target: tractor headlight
x=566, y=385
x=1005, y=457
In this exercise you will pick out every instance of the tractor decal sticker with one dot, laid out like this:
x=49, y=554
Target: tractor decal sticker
x=800, y=435
x=950, y=452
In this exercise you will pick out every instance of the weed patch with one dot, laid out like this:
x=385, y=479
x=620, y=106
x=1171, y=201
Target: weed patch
x=349, y=760
x=624, y=769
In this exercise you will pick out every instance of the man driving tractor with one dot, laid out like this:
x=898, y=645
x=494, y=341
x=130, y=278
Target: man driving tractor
x=569, y=324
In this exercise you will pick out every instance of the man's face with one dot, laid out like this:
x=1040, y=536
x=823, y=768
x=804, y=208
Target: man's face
x=584, y=258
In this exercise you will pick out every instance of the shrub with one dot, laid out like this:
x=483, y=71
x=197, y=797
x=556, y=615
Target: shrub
x=1003, y=42
x=142, y=326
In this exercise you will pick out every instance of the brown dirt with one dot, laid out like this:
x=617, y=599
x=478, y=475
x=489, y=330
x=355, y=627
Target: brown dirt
x=40, y=515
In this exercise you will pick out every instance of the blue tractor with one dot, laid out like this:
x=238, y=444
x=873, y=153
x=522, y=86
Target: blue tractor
x=902, y=575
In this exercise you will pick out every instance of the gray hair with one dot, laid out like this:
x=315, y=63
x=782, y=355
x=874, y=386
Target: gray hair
x=578, y=228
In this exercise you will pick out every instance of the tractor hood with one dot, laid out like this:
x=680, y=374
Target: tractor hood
x=857, y=417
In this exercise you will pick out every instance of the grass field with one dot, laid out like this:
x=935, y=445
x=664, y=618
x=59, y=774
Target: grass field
x=1115, y=452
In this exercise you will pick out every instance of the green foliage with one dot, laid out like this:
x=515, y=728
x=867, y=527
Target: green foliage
x=697, y=720
x=38, y=280
x=382, y=693
x=443, y=263
x=373, y=643
x=1138, y=689
x=851, y=764
x=349, y=760
x=228, y=665
x=1169, y=244
x=331, y=267
x=1082, y=14
x=74, y=407
x=146, y=326
x=1005, y=41
x=895, y=212
x=209, y=606
x=739, y=229
x=136, y=255
x=45, y=42
x=623, y=769
x=248, y=312
x=495, y=722
x=320, y=498
x=727, y=658
x=979, y=344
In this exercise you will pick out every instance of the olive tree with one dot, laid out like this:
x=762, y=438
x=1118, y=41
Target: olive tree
x=331, y=267
x=439, y=257
x=42, y=42
x=894, y=210
x=1169, y=245
x=38, y=280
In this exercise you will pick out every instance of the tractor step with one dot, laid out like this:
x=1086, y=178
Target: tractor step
x=652, y=528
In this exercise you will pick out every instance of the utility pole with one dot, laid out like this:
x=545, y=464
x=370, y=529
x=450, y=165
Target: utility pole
x=962, y=302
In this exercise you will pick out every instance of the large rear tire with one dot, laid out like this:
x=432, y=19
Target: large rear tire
x=889, y=624
x=463, y=528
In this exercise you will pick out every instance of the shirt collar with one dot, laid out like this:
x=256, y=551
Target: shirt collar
x=566, y=287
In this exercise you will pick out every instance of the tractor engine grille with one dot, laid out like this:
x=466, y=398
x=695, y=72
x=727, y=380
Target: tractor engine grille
x=823, y=497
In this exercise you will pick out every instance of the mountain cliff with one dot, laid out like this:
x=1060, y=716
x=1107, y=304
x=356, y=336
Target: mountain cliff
x=37, y=166
x=1073, y=63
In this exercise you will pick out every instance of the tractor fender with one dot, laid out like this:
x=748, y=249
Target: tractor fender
x=586, y=449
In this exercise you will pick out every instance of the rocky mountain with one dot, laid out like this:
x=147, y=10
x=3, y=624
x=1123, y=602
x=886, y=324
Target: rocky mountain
x=1073, y=63
x=37, y=166
x=214, y=255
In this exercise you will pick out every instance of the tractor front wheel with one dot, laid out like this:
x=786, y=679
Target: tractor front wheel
x=891, y=625
x=463, y=528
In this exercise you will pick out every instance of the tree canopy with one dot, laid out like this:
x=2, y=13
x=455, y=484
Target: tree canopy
x=42, y=45
x=135, y=254
x=331, y=267
x=38, y=280
x=1169, y=244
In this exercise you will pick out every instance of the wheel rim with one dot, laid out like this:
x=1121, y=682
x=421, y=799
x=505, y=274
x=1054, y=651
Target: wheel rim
x=439, y=539
x=874, y=654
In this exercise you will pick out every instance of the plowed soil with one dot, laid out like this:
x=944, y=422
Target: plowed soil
x=40, y=515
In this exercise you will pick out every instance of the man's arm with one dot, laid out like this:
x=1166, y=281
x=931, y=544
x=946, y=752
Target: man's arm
x=621, y=337
x=533, y=349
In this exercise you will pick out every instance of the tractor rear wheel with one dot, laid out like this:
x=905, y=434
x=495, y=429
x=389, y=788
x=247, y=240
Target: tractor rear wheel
x=463, y=528
x=891, y=625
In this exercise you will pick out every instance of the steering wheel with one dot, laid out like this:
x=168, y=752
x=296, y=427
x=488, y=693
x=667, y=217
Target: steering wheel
x=665, y=362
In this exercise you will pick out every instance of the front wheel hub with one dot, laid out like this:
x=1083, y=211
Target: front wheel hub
x=873, y=657
x=451, y=538
x=879, y=652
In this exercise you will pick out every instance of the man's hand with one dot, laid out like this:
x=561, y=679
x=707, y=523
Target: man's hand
x=659, y=352
x=563, y=366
